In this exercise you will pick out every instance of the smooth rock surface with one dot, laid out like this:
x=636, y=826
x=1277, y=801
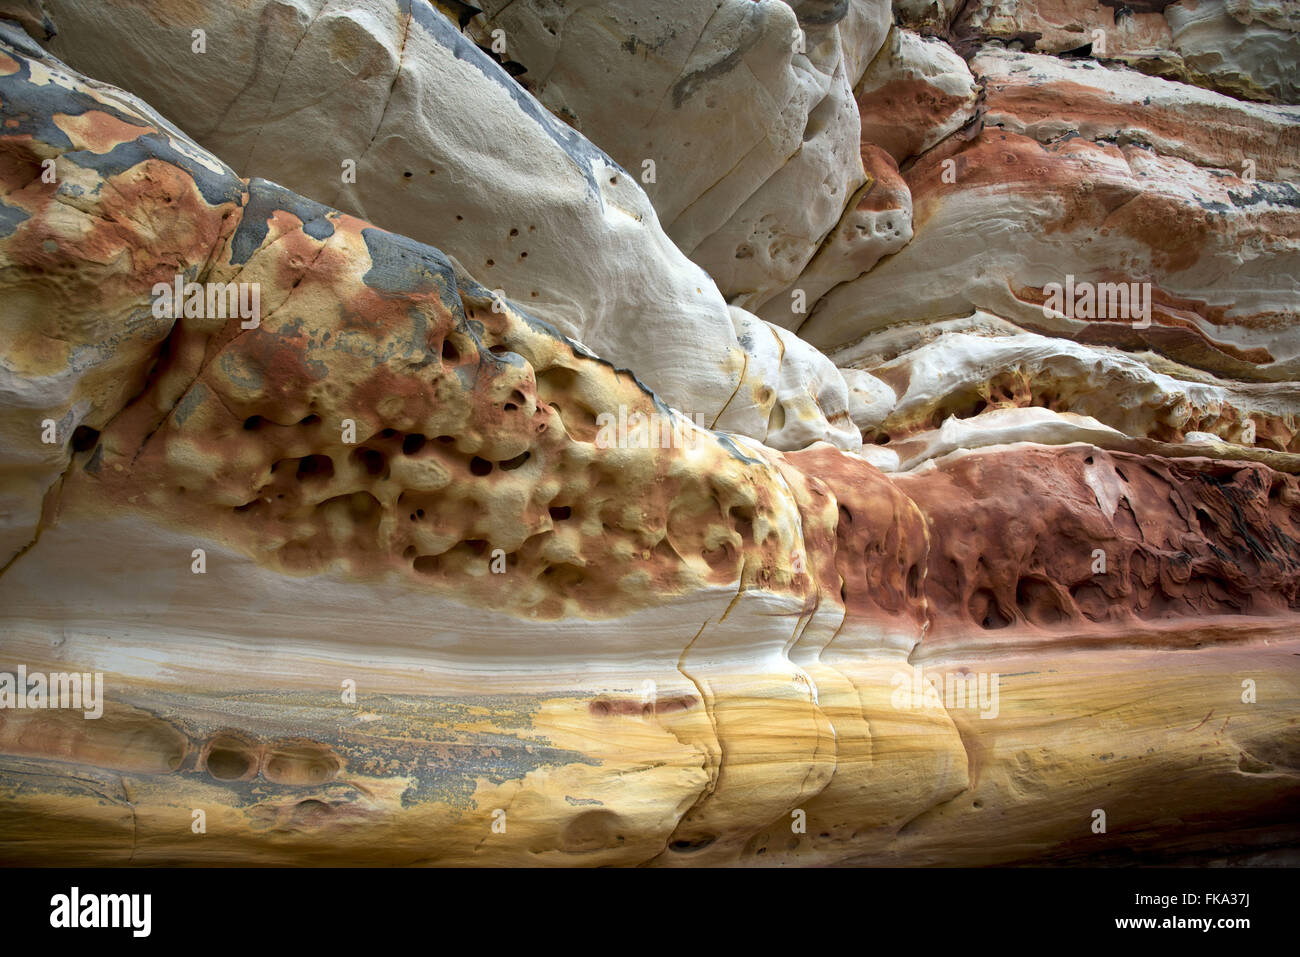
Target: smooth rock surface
x=745, y=111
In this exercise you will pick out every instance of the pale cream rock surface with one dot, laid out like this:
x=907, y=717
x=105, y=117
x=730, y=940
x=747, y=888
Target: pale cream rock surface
x=1026, y=427
x=870, y=399
x=961, y=374
x=745, y=110
x=998, y=428
x=877, y=223
x=770, y=238
x=811, y=394
x=915, y=93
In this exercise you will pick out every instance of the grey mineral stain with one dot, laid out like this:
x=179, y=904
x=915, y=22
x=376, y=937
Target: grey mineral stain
x=415, y=737
x=264, y=200
x=10, y=217
x=32, y=108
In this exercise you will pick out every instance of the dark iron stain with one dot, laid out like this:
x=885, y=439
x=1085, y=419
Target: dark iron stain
x=1276, y=194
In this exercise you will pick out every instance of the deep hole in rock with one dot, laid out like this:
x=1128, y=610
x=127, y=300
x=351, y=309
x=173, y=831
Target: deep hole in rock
x=1038, y=602
x=372, y=460
x=687, y=845
x=986, y=612
x=1209, y=527
x=315, y=467
x=564, y=575
x=229, y=763
x=300, y=764
x=84, y=437
x=743, y=518
x=1091, y=600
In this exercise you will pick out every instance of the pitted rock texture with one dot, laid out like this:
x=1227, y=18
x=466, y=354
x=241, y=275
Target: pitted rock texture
x=962, y=374
x=1110, y=537
x=465, y=415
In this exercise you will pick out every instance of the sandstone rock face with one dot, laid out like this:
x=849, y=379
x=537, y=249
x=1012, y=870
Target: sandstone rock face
x=1245, y=48
x=384, y=109
x=928, y=16
x=962, y=374
x=916, y=92
x=462, y=514
x=1060, y=26
x=744, y=112
x=1204, y=238
x=1179, y=539
x=877, y=222
x=1077, y=178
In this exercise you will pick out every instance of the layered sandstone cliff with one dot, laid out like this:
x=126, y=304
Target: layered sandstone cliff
x=429, y=480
